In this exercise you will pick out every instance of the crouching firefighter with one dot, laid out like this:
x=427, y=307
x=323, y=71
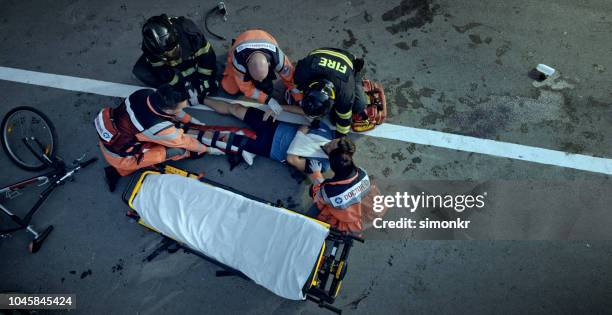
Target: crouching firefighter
x=141, y=132
x=175, y=52
x=331, y=82
x=338, y=200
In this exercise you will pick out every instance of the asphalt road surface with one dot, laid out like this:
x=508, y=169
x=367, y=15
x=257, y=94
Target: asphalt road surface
x=453, y=66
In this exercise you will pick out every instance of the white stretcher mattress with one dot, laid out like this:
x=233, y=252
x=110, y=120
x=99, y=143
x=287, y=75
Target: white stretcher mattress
x=276, y=248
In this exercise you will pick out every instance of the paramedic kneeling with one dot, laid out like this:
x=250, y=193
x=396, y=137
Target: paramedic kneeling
x=338, y=199
x=140, y=132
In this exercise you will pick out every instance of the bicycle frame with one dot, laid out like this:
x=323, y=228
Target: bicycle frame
x=56, y=177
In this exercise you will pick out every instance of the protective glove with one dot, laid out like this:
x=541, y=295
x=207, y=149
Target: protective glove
x=208, y=86
x=315, y=166
x=193, y=95
x=275, y=106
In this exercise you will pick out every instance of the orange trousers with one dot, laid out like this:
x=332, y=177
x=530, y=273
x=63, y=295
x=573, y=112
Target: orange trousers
x=152, y=154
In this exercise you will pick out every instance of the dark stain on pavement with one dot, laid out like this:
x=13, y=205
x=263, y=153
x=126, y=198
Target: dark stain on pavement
x=432, y=117
x=291, y=204
x=482, y=122
x=86, y=273
x=501, y=50
x=410, y=166
x=411, y=148
x=398, y=156
x=467, y=27
x=475, y=38
x=118, y=267
x=297, y=175
x=572, y=147
x=419, y=12
x=367, y=16
x=402, y=46
x=386, y=172
x=355, y=303
x=348, y=43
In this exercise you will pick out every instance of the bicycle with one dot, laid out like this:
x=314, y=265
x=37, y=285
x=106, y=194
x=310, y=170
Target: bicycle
x=27, y=130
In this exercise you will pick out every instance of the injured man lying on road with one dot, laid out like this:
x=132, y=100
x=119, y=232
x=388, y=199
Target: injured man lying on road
x=279, y=141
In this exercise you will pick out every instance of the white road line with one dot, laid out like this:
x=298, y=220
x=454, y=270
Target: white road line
x=385, y=131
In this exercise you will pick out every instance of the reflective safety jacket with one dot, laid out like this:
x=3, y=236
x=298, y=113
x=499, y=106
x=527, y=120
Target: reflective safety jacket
x=340, y=200
x=336, y=66
x=124, y=129
x=197, y=64
x=258, y=41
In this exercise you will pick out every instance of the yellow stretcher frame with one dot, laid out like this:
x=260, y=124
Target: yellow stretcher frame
x=327, y=266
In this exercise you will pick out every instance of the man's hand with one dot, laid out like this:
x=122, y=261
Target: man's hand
x=193, y=95
x=269, y=113
x=315, y=165
x=275, y=106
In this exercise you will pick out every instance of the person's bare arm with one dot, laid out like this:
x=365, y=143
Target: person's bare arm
x=226, y=108
x=293, y=109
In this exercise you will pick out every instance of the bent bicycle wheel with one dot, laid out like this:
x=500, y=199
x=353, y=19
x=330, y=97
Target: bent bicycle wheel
x=23, y=125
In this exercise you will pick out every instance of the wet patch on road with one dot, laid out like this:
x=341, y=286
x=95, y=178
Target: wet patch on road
x=348, y=43
x=419, y=12
x=467, y=27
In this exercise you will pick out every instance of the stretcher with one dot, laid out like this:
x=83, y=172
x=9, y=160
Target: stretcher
x=292, y=255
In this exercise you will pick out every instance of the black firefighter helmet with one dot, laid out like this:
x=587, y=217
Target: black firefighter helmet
x=318, y=98
x=160, y=38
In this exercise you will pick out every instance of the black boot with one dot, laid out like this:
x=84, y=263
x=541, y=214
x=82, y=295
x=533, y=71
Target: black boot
x=112, y=177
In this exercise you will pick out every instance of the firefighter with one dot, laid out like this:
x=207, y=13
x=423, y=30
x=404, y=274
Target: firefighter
x=253, y=62
x=331, y=84
x=141, y=132
x=175, y=52
x=338, y=200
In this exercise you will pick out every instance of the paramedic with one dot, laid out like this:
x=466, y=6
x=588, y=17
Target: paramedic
x=338, y=199
x=330, y=80
x=253, y=62
x=176, y=52
x=140, y=132
x=277, y=140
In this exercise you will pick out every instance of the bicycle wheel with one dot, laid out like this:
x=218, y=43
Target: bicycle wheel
x=27, y=123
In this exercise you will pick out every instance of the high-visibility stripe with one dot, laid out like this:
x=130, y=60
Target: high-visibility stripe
x=343, y=129
x=188, y=72
x=180, y=115
x=205, y=71
x=159, y=127
x=281, y=61
x=334, y=53
x=153, y=136
x=203, y=50
x=256, y=44
x=155, y=63
x=113, y=154
x=345, y=115
x=133, y=119
x=238, y=66
x=174, y=80
x=174, y=63
x=256, y=93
